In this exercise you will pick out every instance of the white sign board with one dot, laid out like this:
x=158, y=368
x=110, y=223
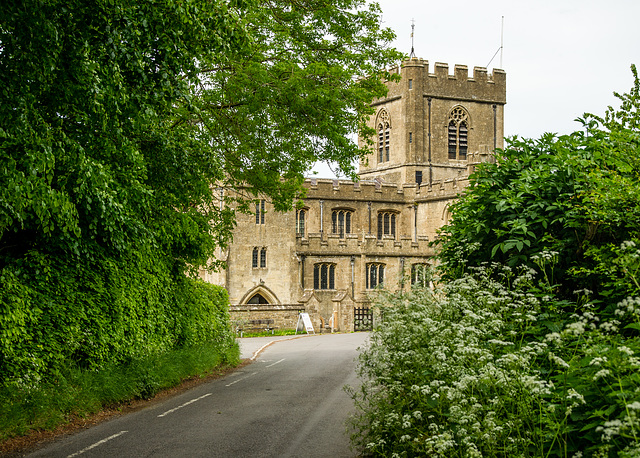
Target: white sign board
x=306, y=321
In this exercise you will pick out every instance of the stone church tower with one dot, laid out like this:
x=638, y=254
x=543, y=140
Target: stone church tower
x=351, y=238
x=431, y=126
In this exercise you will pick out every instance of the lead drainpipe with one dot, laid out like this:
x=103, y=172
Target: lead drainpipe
x=495, y=129
x=321, y=219
x=353, y=277
x=429, y=135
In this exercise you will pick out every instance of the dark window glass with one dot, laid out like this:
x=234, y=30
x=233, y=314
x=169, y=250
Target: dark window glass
x=453, y=140
x=316, y=276
x=419, y=275
x=386, y=224
x=300, y=220
x=462, y=148
x=341, y=222
x=260, y=211
x=332, y=276
x=263, y=257
x=375, y=275
x=258, y=299
x=324, y=276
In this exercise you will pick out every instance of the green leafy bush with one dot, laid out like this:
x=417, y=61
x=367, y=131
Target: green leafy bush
x=59, y=312
x=480, y=367
x=576, y=195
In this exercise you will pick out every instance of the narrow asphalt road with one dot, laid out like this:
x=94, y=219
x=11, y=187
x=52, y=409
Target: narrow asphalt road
x=289, y=402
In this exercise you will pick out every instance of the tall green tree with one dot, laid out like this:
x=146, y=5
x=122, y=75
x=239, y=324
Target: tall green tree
x=118, y=119
x=298, y=96
x=574, y=197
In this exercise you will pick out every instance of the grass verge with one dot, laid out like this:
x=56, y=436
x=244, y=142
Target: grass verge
x=80, y=393
x=276, y=332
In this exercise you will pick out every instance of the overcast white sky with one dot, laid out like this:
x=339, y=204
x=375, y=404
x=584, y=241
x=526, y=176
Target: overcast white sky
x=562, y=57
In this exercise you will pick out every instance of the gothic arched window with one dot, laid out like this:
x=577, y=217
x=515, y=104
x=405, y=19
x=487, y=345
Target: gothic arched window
x=300, y=220
x=420, y=275
x=257, y=299
x=458, y=129
x=384, y=126
x=386, y=224
x=259, y=257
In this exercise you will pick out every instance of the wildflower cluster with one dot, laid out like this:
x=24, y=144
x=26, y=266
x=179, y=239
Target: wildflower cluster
x=476, y=368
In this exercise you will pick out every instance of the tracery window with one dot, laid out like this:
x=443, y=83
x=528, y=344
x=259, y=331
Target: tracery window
x=260, y=211
x=301, y=216
x=375, y=275
x=384, y=126
x=458, y=133
x=324, y=275
x=386, y=224
x=341, y=222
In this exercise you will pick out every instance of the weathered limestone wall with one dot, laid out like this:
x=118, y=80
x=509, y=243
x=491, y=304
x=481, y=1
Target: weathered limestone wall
x=418, y=110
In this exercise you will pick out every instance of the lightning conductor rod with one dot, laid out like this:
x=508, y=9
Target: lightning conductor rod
x=413, y=25
x=501, y=45
x=501, y=41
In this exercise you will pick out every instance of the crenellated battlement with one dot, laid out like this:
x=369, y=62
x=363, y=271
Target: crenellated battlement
x=481, y=86
x=376, y=190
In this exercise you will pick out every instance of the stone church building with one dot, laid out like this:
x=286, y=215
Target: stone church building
x=351, y=238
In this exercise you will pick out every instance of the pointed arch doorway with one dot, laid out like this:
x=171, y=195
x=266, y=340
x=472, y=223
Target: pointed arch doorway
x=260, y=295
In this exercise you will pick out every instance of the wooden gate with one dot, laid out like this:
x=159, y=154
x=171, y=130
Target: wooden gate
x=362, y=319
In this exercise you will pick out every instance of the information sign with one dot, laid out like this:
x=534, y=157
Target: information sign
x=306, y=322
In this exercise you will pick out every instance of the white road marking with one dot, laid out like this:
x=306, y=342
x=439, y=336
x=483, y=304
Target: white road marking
x=97, y=444
x=183, y=405
x=276, y=362
x=241, y=379
x=257, y=352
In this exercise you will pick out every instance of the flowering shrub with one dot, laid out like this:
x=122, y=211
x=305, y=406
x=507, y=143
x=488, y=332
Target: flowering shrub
x=491, y=364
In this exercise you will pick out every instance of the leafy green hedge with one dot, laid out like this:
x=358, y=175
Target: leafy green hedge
x=57, y=311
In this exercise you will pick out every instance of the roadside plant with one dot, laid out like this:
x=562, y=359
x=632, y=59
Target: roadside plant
x=492, y=365
x=576, y=195
x=447, y=373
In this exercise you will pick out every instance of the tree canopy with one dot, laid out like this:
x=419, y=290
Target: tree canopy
x=118, y=120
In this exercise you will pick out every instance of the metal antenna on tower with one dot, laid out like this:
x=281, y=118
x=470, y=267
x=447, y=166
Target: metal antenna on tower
x=413, y=26
x=501, y=41
x=501, y=45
